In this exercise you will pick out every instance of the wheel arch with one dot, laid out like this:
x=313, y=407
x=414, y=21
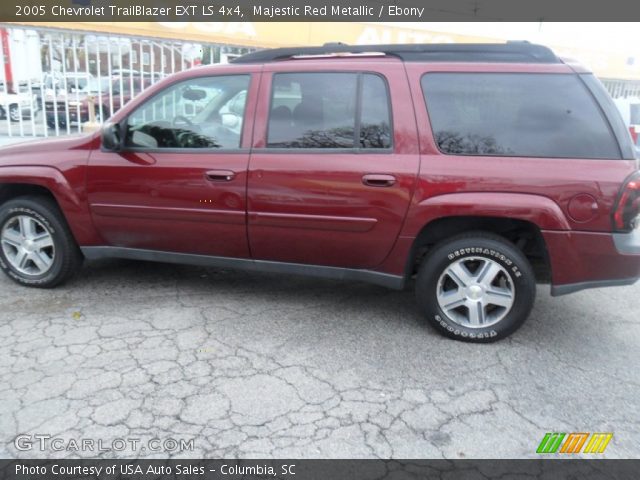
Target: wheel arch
x=441, y=216
x=525, y=235
x=9, y=191
x=49, y=182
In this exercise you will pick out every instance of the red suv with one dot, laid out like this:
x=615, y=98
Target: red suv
x=477, y=169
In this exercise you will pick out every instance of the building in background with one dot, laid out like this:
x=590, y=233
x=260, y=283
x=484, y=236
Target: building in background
x=53, y=61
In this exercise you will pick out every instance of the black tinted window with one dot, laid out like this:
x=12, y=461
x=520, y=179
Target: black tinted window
x=375, y=123
x=320, y=110
x=537, y=115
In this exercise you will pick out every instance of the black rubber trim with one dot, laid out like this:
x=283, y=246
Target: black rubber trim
x=611, y=113
x=558, y=290
x=395, y=282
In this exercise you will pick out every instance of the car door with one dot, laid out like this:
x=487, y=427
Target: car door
x=334, y=164
x=179, y=182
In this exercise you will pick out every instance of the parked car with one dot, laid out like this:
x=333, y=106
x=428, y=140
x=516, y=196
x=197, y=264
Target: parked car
x=472, y=172
x=18, y=105
x=108, y=95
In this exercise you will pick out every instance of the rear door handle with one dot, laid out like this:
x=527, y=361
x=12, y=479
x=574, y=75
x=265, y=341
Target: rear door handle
x=378, y=180
x=220, y=175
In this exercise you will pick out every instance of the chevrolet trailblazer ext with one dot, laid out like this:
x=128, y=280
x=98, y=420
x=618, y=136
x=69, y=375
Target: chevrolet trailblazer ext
x=480, y=169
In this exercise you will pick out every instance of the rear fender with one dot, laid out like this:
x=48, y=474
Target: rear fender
x=536, y=209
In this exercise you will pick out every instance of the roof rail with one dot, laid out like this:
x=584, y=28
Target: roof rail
x=467, y=52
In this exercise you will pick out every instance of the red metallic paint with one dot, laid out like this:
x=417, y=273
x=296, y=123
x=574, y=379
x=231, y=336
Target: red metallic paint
x=578, y=257
x=174, y=201
x=582, y=208
x=313, y=207
x=169, y=203
x=59, y=165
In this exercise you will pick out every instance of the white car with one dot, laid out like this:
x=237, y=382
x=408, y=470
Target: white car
x=17, y=104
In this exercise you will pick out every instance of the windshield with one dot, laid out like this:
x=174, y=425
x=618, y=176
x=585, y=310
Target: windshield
x=77, y=83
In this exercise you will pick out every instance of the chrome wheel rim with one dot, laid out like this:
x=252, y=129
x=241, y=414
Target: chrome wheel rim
x=475, y=292
x=27, y=245
x=14, y=113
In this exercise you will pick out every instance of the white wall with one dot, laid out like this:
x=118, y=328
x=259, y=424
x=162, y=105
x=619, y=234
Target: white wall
x=25, y=55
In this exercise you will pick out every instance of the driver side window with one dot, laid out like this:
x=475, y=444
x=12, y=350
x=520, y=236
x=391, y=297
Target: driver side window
x=203, y=112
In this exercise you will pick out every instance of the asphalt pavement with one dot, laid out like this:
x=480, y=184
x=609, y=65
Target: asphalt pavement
x=232, y=364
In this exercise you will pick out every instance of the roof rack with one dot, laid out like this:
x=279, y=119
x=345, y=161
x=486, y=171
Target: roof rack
x=513, y=51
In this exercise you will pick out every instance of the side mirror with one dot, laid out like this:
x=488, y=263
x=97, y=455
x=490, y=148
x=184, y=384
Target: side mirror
x=111, y=140
x=194, y=94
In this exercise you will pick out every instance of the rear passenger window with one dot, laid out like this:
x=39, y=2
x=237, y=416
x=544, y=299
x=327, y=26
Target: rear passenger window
x=514, y=114
x=329, y=110
x=375, y=125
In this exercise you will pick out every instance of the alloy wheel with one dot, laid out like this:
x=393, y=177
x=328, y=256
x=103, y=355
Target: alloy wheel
x=27, y=245
x=475, y=292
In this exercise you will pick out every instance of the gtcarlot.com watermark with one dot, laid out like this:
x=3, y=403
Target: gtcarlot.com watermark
x=43, y=442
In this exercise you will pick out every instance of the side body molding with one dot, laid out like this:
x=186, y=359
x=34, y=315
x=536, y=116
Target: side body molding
x=395, y=282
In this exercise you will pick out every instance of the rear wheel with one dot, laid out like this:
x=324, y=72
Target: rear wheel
x=476, y=287
x=37, y=248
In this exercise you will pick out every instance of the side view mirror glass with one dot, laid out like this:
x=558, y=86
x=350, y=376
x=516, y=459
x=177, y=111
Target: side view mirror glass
x=194, y=94
x=111, y=137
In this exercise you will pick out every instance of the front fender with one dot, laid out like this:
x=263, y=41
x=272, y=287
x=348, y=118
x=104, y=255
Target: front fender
x=72, y=201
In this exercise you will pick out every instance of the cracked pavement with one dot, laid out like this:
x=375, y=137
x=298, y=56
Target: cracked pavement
x=268, y=366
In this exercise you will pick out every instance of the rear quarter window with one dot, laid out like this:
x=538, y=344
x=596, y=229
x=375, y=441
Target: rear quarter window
x=515, y=114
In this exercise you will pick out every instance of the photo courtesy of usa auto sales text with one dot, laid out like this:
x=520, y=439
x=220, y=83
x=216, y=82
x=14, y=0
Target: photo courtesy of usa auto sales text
x=133, y=469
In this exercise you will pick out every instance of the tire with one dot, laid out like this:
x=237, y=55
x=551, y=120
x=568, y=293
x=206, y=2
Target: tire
x=14, y=113
x=44, y=262
x=52, y=124
x=476, y=287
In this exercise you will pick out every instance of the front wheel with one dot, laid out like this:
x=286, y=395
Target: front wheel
x=36, y=247
x=14, y=113
x=476, y=287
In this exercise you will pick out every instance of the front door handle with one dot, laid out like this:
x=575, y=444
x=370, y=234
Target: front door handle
x=220, y=175
x=378, y=180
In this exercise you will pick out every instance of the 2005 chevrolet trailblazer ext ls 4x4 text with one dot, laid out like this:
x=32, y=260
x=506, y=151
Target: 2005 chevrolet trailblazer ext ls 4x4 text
x=480, y=168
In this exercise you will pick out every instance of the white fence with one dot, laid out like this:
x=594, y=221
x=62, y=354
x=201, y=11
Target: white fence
x=53, y=79
x=622, y=88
